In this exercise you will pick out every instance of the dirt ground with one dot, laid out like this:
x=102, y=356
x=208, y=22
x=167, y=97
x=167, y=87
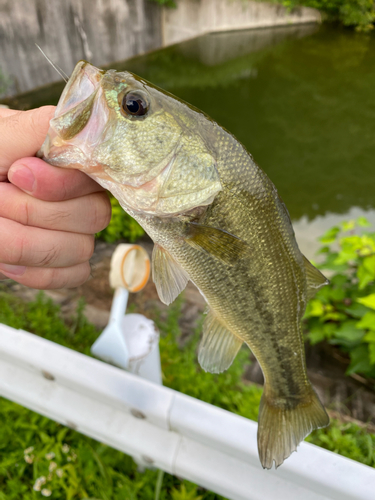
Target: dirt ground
x=345, y=397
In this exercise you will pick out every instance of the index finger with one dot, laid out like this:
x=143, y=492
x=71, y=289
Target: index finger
x=21, y=134
x=48, y=183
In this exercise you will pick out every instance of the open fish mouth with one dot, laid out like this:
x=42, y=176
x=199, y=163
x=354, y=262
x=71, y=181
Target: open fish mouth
x=82, y=83
x=80, y=120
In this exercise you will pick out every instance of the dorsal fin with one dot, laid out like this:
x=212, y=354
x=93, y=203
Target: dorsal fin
x=218, y=347
x=170, y=279
x=314, y=278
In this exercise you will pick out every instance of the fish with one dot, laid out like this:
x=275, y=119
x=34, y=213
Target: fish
x=216, y=219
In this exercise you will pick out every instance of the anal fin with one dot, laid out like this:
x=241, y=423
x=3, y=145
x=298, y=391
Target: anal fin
x=315, y=279
x=218, y=347
x=169, y=277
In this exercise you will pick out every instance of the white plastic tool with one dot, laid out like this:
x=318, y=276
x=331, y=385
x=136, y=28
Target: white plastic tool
x=129, y=341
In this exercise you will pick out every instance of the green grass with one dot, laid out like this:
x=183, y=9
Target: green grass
x=73, y=466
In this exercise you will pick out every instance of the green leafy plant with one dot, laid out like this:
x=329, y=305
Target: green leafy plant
x=122, y=226
x=343, y=313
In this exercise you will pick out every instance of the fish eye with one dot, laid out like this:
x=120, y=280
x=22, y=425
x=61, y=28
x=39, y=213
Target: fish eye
x=134, y=104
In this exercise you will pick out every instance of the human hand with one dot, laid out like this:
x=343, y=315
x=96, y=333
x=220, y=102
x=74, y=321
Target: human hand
x=48, y=215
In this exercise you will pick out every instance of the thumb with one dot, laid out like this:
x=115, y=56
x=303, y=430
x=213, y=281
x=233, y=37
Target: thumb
x=21, y=134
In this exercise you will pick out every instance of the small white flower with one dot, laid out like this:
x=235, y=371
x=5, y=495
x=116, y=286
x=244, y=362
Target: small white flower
x=39, y=483
x=29, y=459
x=52, y=466
x=69, y=459
x=50, y=456
x=59, y=473
x=28, y=450
x=65, y=448
x=46, y=492
x=74, y=456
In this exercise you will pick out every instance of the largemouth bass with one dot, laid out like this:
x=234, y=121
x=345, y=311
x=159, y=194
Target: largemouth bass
x=215, y=218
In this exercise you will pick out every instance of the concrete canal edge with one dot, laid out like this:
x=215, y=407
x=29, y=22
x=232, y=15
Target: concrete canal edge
x=192, y=18
x=102, y=32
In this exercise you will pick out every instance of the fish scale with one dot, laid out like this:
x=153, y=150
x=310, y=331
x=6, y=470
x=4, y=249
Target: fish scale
x=216, y=219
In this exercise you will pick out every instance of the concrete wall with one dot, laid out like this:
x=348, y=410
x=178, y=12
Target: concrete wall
x=100, y=31
x=195, y=17
x=103, y=31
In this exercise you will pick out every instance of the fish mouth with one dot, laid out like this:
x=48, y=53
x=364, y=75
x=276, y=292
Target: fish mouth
x=82, y=83
x=79, y=121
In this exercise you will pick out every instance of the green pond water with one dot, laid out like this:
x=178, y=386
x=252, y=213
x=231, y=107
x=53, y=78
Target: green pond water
x=301, y=99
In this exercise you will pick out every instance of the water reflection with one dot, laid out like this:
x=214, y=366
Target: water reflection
x=218, y=48
x=216, y=60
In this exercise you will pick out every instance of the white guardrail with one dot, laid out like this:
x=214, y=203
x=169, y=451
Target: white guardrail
x=176, y=433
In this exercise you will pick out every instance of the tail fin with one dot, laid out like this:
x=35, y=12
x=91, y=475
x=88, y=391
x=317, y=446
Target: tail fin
x=281, y=429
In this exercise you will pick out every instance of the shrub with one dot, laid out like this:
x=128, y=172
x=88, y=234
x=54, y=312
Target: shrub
x=343, y=313
x=357, y=13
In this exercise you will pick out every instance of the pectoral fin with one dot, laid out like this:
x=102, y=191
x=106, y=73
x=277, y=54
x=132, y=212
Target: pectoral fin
x=218, y=347
x=170, y=279
x=217, y=242
x=314, y=278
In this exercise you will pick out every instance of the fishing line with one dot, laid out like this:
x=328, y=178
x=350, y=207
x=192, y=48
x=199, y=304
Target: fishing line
x=62, y=73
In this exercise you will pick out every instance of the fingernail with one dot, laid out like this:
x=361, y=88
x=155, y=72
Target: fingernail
x=22, y=177
x=14, y=270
